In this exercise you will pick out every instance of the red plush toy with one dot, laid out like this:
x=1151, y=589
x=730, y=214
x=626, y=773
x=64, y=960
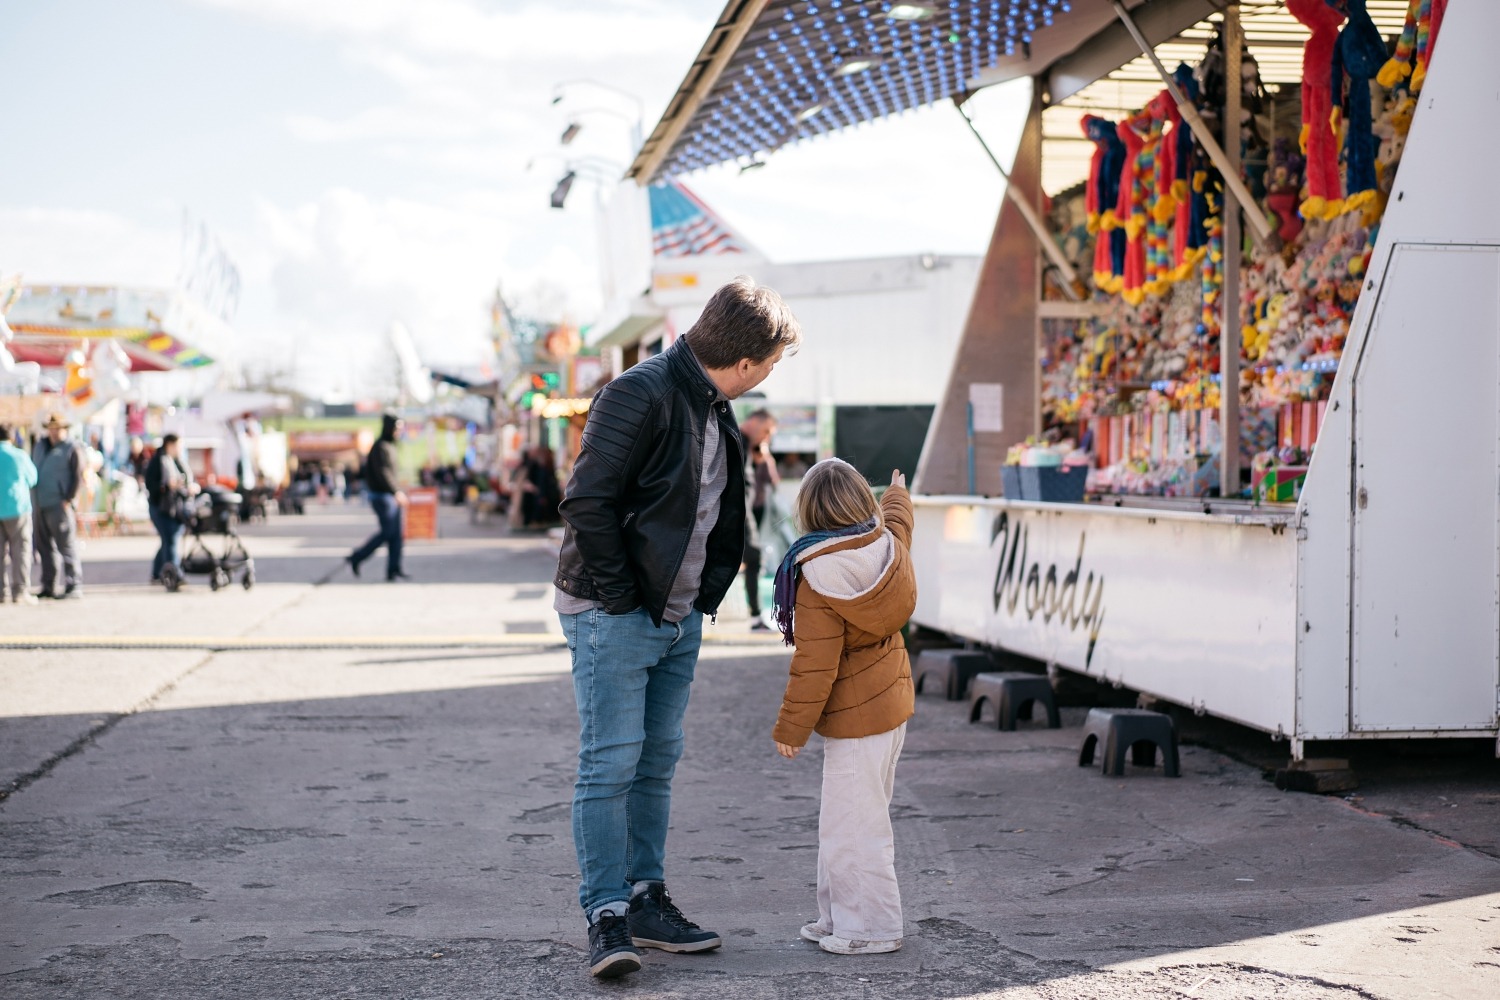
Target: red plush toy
x=1320, y=140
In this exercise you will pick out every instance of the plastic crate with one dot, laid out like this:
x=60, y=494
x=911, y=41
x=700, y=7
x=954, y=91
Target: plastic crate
x=1061, y=484
x=1010, y=482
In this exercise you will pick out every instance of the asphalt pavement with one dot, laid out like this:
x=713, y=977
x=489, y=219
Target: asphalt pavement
x=338, y=787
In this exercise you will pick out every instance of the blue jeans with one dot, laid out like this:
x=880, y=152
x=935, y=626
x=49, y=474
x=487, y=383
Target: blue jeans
x=170, y=531
x=388, y=513
x=631, y=682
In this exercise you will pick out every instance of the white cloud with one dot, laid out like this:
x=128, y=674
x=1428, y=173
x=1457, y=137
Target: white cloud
x=345, y=266
x=74, y=246
x=536, y=31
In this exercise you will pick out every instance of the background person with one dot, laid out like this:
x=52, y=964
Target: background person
x=760, y=481
x=387, y=500
x=59, y=471
x=540, y=494
x=654, y=536
x=169, y=482
x=17, y=477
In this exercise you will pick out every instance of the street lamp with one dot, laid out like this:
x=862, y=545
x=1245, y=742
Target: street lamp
x=590, y=168
x=635, y=121
x=560, y=193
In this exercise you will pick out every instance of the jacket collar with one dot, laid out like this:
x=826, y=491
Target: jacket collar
x=680, y=355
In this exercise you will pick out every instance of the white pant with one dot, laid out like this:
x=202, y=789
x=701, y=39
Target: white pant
x=858, y=897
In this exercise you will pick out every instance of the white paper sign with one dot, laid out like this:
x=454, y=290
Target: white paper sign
x=986, y=401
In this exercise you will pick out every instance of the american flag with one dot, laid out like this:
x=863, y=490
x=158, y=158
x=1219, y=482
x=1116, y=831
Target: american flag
x=682, y=226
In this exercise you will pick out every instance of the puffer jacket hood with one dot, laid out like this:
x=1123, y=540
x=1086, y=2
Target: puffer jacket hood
x=867, y=578
x=851, y=676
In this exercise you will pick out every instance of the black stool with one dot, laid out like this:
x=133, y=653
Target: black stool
x=1142, y=731
x=1012, y=695
x=953, y=668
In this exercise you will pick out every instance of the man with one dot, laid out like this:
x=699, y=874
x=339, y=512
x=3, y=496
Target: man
x=654, y=534
x=760, y=480
x=168, y=477
x=59, y=475
x=387, y=499
x=17, y=477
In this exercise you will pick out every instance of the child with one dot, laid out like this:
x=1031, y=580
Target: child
x=851, y=682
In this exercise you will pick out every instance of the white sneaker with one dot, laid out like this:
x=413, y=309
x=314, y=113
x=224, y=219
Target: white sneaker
x=26, y=598
x=844, y=946
x=814, y=932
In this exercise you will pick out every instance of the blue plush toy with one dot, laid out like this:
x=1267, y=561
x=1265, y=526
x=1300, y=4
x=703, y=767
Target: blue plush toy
x=1359, y=56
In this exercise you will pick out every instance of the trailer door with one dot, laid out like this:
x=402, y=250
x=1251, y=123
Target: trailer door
x=1426, y=493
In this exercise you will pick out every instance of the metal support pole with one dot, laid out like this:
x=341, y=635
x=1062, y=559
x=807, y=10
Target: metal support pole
x=1259, y=226
x=1069, y=282
x=1229, y=305
x=969, y=429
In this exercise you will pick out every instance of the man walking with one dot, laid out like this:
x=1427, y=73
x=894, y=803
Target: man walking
x=59, y=475
x=387, y=500
x=654, y=536
x=17, y=477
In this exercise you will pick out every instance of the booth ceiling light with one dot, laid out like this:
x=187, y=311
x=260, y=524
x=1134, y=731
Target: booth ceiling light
x=909, y=12
x=811, y=68
x=858, y=64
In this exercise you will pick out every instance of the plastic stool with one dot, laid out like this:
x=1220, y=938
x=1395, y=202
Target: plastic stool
x=1012, y=695
x=1138, y=729
x=954, y=668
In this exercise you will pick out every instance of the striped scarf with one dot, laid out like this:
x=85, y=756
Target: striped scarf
x=787, y=573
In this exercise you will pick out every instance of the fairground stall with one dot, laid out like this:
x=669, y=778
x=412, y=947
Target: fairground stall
x=1284, y=553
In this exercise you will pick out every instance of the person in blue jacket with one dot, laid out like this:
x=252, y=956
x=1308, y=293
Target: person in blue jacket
x=17, y=477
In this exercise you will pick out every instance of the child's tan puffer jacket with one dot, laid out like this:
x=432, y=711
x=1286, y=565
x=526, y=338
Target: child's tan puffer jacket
x=850, y=675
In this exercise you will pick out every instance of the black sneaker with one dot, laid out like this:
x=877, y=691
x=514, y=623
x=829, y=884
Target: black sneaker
x=611, y=953
x=656, y=922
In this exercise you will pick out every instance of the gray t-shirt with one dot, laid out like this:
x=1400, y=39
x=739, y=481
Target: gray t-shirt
x=689, y=577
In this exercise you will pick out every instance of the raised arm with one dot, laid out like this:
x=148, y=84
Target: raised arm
x=895, y=508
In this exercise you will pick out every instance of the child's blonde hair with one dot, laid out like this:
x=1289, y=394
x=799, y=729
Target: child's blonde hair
x=834, y=495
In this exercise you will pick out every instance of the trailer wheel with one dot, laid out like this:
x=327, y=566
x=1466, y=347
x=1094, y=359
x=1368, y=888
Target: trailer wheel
x=249, y=580
x=218, y=579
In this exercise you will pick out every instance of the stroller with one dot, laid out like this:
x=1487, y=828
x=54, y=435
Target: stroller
x=215, y=511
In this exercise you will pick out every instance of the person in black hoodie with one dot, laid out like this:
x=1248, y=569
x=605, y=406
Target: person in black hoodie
x=388, y=501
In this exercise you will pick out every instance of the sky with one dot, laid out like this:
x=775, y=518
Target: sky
x=367, y=161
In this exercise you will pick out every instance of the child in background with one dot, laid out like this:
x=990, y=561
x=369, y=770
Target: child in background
x=851, y=683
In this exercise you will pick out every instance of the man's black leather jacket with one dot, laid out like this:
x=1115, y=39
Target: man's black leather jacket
x=633, y=497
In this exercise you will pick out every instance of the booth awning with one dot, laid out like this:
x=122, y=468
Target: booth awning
x=775, y=72
x=160, y=330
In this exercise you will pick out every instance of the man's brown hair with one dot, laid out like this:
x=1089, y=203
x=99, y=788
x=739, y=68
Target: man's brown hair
x=743, y=320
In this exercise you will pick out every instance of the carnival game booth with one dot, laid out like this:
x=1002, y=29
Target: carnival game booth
x=1284, y=554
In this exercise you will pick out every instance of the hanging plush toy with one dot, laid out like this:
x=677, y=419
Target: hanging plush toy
x=1319, y=135
x=1162, y=206
x=1187, y=229
x=1130, y=209
x=1360, y=53
x=1418, y=35
x=1101, y=197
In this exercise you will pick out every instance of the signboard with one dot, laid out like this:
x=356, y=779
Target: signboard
x=421, y=513
x=1198, y=609
x=986, y=406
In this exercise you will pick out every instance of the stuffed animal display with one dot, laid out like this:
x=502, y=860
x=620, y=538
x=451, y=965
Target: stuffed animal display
x=1154, y=204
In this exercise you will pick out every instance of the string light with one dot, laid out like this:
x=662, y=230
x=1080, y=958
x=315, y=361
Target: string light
x=825, y=65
